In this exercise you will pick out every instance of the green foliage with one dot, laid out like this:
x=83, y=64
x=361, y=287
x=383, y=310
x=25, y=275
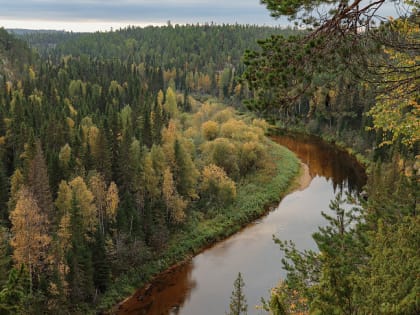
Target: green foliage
x=325, y=280
x=80, y=275
x=368, y=257
x=92, y=115
x=389, y=282
x=223, y=153
x=238, y=303
x=4, y=254
x=332, y=78
x=397, y=109
x=15, y=292
x=262, y=188
x=185, y=172
x=336, y=81
x=15, y=56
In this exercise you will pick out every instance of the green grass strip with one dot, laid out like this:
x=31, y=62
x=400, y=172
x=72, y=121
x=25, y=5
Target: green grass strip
x=258, y=191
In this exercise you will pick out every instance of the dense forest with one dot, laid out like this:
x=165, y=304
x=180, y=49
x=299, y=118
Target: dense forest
x=109, y=158
x=356, y=83
x=112, y=145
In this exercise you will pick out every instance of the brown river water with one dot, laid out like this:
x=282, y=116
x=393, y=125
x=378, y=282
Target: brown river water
x=203, y=285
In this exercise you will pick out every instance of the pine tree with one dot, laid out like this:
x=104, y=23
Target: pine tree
x=14, y=293
x=100, y=263
x=79, y=258
x=389, y=282
x=38, y=182
x=4, y=254
x=4, y=189
x=103, y=158
x=97, y=186
x=238, y=305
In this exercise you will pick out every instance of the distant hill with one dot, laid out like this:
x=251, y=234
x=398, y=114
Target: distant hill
x=23, y=31
x=15, y=55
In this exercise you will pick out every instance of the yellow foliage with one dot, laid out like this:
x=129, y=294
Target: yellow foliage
x=64, y=197
x=397, y=111
x=261, y=123
x=191, y=133
x=115, y=88
x=233, y=129
x=16, y=182
x=65, y=155
x=93, y=135
x=224, y=115
x=170, y=105
x=217, y=185
x=30, y=239
x=169, y=135
x=31, y=73
x=112, y=202
x=70, y=122
x=9, y=86
x=174, y=202
x=72, y=110
x=150, y=179
x=210, y=130
x=64, y=234
x=85, y=200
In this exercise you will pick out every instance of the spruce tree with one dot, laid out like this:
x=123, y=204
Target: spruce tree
x=39, y=184
x=238, y=303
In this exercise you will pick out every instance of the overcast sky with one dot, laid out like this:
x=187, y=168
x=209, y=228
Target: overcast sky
x=102, y=15
x=93, y=15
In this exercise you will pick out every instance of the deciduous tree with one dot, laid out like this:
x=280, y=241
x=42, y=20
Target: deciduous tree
x=216, y=186
x=175, y=204
x=30, y=239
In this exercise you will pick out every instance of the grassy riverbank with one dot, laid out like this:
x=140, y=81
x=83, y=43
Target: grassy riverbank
x=254, y=195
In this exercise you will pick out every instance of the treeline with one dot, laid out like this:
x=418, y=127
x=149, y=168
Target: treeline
x=205, y=59
x=102, y=161
x=15, y=55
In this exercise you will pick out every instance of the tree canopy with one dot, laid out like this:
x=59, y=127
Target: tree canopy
x=339, y=37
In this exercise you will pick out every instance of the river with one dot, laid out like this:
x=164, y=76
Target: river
x=203, y=286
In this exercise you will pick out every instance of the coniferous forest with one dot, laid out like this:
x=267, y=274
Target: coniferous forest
x=110, y=153
x=125, y=152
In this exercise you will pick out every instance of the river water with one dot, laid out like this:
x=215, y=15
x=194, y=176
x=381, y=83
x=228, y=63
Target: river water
x=204, y=285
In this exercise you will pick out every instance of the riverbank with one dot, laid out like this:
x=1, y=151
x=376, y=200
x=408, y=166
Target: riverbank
x=363, y=157
x=255, y=194
x=349, y=142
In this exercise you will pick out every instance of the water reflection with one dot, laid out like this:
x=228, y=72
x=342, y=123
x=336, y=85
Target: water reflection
x=165, y=295
x=203, y=286
x=326, y=160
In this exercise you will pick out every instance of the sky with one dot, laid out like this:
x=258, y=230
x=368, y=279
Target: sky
x=102, y=15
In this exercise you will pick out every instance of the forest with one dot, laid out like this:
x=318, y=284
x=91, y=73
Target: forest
x=115, y=145
x=110, y=156
x=352, y=78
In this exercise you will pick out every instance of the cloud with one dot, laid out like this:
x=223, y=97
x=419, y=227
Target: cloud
x=182, y=11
